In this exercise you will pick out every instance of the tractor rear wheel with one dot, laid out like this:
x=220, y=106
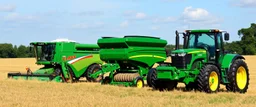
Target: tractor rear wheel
x=209, y=79
x=238, y=76
x=92, y=69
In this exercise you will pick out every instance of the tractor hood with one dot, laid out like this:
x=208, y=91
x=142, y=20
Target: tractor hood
x=187, y=51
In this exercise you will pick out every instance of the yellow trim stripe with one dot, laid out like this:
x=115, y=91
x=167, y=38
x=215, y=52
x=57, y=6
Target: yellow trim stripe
x=196, y=52
x=155, y=56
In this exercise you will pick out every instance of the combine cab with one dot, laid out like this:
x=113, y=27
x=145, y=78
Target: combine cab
x=63, y=62
x=129, y=59
x=202, y=64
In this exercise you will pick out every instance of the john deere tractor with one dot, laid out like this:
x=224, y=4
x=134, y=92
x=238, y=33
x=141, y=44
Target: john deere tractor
x=64, y=61
x=202, y=64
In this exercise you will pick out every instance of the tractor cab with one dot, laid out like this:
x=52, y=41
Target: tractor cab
x=203, y=42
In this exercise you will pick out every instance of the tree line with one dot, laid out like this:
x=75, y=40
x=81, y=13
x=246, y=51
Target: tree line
x=246, y=46
x=8, y=50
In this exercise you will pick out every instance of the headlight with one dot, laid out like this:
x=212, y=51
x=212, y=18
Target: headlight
x=181, y=54
x=172, y=54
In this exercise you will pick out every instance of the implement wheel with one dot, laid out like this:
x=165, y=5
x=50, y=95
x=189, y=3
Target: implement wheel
x=151, y=77
x=238, y=76
x=92, y=69
x=209, y=79
x=139, y=82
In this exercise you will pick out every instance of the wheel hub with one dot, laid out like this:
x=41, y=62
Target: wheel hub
x=213, y=81
x=241, y=77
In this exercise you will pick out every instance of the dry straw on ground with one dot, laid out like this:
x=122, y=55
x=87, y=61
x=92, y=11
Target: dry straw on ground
x=34, y=93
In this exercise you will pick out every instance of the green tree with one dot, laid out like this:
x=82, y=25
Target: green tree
x=22, y=52
x=7, y=51
x=248, y=39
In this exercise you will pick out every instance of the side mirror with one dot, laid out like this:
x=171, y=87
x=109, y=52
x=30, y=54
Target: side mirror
x=226, y=36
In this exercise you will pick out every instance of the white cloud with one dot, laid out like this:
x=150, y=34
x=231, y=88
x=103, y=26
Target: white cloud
x=164, y=20
x=172, y=0
x=154, y=27
x=7, y=8
x=18, y=17
x=135, y=15
x=88, y=25
x=198, y=16
x=140, y=15
x=124, y=23
x=244, y=3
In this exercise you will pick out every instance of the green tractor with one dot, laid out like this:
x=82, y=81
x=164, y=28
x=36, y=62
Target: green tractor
x=202, y=64
x=64, y=61
x=129, y=59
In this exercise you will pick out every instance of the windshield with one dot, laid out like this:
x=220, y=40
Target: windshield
x=201, y=40
x=44, y=52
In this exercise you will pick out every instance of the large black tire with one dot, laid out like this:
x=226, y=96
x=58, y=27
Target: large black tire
x=151, y=77
x=209, y=73
x=92, y=69
x=238, y=69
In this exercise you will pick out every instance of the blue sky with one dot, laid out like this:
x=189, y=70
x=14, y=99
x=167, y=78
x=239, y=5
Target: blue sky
x=85, y=21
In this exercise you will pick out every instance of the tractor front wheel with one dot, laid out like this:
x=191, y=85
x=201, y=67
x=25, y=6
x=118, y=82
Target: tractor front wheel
x=238, y=76
x=209, y=79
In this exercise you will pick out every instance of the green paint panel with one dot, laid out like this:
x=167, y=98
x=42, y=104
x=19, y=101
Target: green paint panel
x=227, y=60
x=81, y=64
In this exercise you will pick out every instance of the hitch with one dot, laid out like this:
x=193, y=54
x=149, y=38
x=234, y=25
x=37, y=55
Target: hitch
x=105, y=69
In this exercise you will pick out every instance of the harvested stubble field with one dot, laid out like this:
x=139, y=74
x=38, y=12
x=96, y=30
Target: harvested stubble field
x=35, y=93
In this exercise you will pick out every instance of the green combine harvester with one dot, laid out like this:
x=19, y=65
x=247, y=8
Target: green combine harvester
x=202, y=64
x=129, y=59
x=63, y=61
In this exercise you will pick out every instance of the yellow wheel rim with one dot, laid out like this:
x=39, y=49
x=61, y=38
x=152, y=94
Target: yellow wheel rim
x=213, y=81
x=139, y=84
x=241, y=77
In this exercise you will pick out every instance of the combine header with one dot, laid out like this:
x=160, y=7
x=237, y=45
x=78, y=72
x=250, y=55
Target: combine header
x=129, y=59
x=63, y=61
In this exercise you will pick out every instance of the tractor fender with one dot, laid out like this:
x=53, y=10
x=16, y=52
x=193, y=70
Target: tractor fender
x=229, y=59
